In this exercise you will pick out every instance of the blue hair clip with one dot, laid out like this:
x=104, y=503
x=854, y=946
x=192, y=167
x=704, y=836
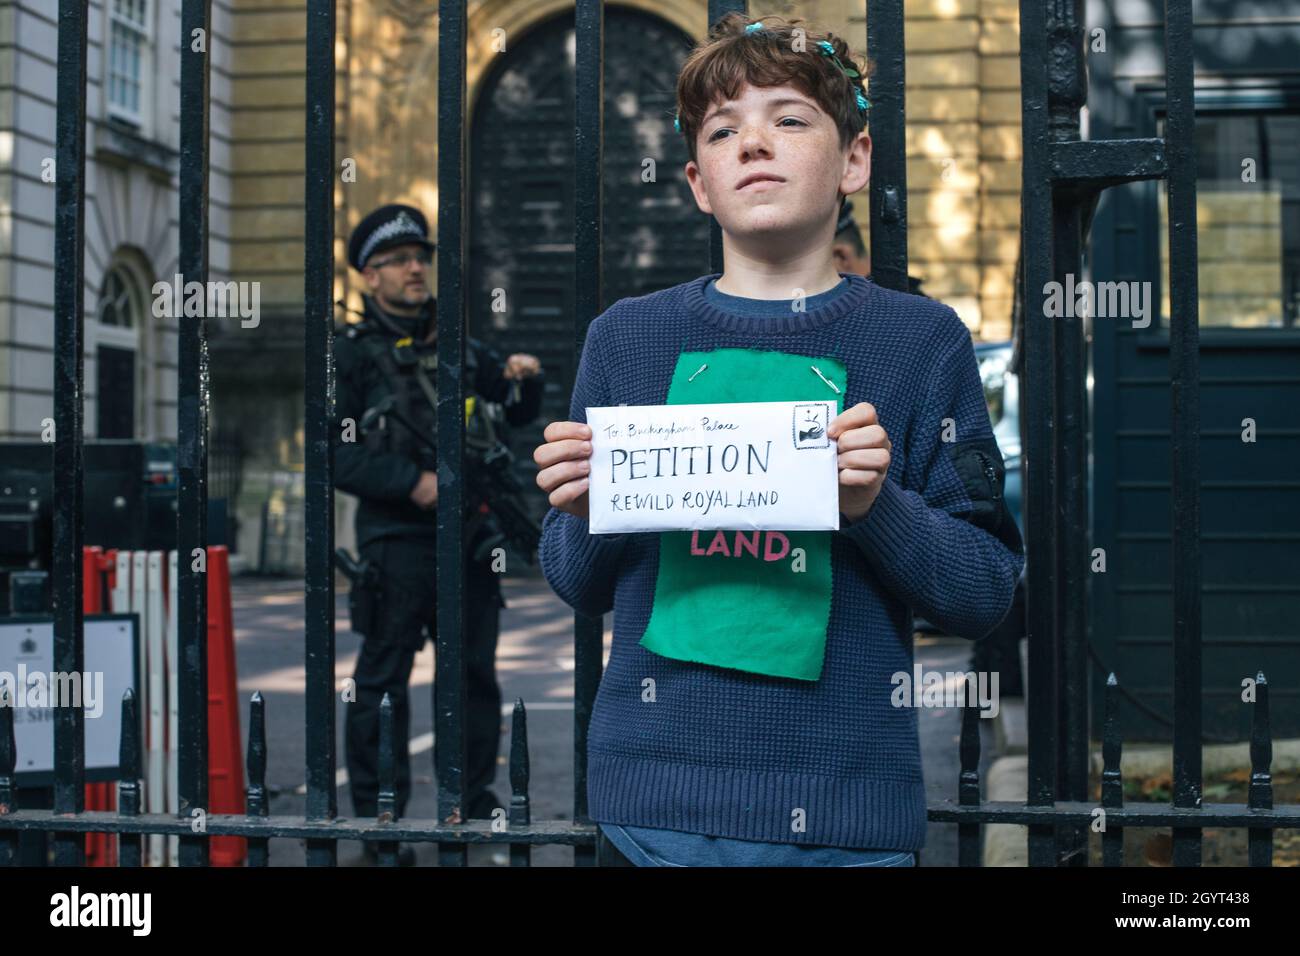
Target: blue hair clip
x=677, y=123
x=828, y=49
x=751, y=28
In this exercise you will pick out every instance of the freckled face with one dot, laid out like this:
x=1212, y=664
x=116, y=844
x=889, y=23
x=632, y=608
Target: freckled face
x=769, y=164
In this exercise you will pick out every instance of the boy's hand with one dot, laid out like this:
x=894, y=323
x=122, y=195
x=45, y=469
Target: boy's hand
x=565, y=463
x=863, y=458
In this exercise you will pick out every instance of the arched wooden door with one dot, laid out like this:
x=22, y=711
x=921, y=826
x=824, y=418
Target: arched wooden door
x=521, y=191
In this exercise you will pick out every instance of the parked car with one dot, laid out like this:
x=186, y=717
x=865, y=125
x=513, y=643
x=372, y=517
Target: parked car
x=1000, y=649
x=1002, y=396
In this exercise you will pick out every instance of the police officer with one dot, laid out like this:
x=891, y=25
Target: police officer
x=393, y=352
x=850, y=253
x=847, y=248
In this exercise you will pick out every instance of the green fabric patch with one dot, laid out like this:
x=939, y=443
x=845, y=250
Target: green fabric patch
x=734, y=598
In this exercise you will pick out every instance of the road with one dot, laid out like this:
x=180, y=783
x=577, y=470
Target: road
x=535, y=663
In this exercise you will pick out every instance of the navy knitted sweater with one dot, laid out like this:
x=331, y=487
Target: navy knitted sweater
x=830, y=762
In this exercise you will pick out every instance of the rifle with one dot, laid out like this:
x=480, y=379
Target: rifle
x=489, y=467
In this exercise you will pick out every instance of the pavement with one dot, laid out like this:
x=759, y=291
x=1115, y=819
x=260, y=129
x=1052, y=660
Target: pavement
x=534, y=663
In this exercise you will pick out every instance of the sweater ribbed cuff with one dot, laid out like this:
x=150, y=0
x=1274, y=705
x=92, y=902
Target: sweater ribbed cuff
x=584, y=549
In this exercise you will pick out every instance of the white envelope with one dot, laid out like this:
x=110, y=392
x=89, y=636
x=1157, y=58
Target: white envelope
x=748, y=466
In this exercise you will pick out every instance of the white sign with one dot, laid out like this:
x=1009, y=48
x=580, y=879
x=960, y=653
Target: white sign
x=27, y=672
x=747, y=466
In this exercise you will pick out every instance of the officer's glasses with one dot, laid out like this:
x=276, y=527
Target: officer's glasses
x=424, y=257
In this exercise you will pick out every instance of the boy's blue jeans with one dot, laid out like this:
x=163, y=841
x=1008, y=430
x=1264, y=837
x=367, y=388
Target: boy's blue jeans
x=724, y=852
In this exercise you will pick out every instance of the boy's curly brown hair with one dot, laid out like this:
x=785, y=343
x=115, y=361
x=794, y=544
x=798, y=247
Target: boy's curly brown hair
x=781, y=52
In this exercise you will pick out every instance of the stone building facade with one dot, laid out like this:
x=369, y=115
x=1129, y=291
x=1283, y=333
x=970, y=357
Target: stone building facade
x=132, y=210
x=963, y=181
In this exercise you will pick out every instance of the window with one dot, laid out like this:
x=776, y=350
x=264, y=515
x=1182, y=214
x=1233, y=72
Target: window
x=1247, y=219
x=128, y=60
x=115, y=300
x=122, y=379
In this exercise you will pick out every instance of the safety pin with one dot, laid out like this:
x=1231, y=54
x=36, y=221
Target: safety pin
x=824, y=378
x=698, y=371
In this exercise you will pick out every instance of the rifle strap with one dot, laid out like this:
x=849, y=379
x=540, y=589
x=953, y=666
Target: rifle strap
x=430, y=392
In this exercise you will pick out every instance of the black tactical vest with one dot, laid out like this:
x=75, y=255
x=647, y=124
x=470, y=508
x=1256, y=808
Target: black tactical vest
x=397, y=360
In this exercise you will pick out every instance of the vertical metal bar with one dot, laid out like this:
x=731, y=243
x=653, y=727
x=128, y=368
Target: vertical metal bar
x=129, y=846
x=1072, y=532
x=589, y=124
x=520, y=809
x=69, y=409
x=256, y=801
x=1112, y=778
x=717, y=10
x=192, y=435
x=449, y=687
x=8, y=787
x=1261, y=778
x=1039, y=396
x=968, y=786
x=1185, y=377
x=318, y=502
x=889, y=144
x=386, y=807
x=1067, y=93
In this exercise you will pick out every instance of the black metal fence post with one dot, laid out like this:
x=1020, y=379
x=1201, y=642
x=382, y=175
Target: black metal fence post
x=1066, y=95
x=8, y=788
x=1038, y=414
x=129, y=848
x=256, y=802
x=1260, y=840
x=1185, y=378
x=318, y=498
x=69, y=409
x=449, y=699
x=588, y=120
x=1112, y=779
x=192, y=440
x=888, y=186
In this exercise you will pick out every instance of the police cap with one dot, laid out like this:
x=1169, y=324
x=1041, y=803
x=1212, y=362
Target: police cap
x=846, y=216
x=387, y=226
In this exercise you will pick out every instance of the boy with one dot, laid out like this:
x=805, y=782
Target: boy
x=747, y=715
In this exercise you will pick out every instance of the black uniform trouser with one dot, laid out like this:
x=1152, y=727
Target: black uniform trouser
x=408, y=603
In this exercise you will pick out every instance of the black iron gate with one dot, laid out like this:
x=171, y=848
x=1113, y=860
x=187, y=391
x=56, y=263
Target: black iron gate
x=1062, y=176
